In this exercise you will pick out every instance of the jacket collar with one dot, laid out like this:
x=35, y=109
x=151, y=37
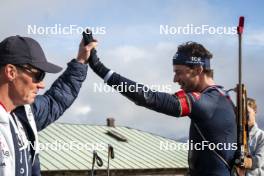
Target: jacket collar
x=253, y=130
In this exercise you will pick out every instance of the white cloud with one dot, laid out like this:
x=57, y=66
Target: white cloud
x=255, y=38
x=166, y=47
x=128, y=53
x=80, y=109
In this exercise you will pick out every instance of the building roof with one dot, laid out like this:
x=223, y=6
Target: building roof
x=133, y=149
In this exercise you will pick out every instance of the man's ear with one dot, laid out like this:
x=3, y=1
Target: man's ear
x=197, y=70
x=10, y=72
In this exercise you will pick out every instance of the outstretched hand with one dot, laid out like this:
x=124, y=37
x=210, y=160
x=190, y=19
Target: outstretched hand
x=85, y=51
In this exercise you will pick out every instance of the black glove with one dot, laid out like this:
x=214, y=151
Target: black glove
x=88, y=37
x=94, y=61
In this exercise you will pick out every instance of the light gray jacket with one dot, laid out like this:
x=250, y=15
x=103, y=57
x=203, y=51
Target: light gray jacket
x=256, y=146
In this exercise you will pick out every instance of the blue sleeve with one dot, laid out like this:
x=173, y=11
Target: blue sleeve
x=158, y=101
x=49, y=107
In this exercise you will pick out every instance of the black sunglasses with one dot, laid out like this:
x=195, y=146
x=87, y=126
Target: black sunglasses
x=38, y=74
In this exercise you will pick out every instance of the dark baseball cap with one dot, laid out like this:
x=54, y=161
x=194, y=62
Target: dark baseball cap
x=25, y=50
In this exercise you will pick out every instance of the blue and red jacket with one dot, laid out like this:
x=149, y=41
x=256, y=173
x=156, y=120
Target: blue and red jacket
x=211, y=110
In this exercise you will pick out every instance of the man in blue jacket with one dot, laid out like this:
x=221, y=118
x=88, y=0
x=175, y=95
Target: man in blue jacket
x=213, y=127
x=22, y=112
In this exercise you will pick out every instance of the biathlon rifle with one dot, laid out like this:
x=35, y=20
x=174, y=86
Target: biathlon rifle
x=241, y=111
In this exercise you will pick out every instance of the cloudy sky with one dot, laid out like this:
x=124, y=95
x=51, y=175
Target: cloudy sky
x=138, y=39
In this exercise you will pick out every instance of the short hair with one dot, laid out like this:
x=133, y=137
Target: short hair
x=196, y=50
x=252, y=103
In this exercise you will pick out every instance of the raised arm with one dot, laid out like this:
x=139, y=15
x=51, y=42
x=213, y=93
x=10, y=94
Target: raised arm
x=49, y=107
x=161, y=102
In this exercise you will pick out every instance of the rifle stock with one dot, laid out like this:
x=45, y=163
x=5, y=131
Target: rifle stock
x=242, y=129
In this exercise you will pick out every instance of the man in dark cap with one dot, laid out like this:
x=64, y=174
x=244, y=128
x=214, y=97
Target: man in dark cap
x=23, y=66
x=213, y=126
